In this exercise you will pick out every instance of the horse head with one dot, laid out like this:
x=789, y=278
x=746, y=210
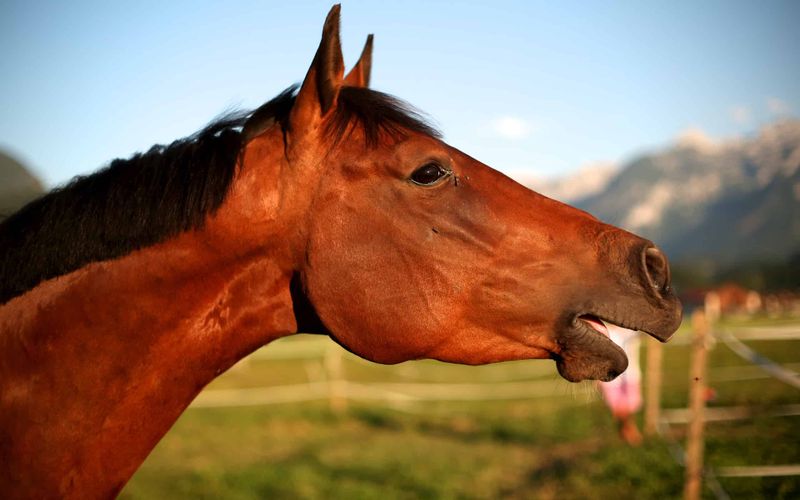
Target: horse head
x=404, y=247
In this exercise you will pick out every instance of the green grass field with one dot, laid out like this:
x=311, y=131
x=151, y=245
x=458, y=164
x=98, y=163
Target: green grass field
x=558, y=443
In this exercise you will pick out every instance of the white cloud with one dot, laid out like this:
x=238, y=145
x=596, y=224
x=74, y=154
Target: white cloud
x=740, y=115
x=511, y=127
x=777, y=106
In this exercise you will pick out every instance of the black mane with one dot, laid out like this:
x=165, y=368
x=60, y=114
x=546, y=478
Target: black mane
x=151, y=197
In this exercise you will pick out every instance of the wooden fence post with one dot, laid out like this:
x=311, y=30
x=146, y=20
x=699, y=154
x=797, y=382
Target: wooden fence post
x=697, y=403
x=712, y=305
x=652, y=407
x=336, y=383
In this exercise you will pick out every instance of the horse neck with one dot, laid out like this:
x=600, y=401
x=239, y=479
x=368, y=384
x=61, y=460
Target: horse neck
x=98, y=364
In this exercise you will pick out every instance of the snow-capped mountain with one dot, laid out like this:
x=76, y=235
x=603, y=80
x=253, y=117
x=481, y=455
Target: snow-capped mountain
x=586, y=181
x=700, y=199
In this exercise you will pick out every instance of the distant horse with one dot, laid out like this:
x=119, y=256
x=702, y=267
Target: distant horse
x=335, y=210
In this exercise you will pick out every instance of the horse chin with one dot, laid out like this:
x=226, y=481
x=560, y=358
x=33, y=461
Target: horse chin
x=588, y=353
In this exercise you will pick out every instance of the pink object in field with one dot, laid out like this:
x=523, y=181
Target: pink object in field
x=624, y=394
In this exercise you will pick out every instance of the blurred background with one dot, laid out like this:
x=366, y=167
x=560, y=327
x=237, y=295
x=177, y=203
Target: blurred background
x=677, y=121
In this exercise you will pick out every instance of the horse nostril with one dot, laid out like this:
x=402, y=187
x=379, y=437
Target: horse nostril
x=656, y=268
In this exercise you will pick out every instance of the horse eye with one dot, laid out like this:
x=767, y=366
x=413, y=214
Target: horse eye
x=429, y=174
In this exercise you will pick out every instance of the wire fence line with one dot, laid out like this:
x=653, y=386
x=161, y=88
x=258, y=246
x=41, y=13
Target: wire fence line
x=535, y=381
x=774, y=369
x=698, y=415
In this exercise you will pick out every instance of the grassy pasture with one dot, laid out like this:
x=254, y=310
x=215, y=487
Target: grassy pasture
x=558, y=444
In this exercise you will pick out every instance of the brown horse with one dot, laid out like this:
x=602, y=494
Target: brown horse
x=336, y=210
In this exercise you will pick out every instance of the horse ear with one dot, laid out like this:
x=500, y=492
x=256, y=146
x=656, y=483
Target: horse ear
x=324, y=78
x=359, y=75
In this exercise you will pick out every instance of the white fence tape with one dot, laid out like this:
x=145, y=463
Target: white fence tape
x=392, y=392
x=766, y=364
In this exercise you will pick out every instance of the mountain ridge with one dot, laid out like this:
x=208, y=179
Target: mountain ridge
x=699, y=199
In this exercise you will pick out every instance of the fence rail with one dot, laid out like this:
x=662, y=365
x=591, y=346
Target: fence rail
x=759, y=471
x=721, y=414
x=392, y=392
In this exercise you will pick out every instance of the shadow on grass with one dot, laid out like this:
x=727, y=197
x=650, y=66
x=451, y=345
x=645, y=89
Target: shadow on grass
x=598, y=469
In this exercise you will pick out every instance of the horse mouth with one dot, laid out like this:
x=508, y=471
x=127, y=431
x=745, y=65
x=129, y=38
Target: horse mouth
x=587, y=351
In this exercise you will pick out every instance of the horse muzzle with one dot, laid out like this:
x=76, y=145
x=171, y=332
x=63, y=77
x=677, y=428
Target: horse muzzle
x=641, y=300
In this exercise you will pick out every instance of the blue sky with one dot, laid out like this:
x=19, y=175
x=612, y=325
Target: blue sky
x=531, y=88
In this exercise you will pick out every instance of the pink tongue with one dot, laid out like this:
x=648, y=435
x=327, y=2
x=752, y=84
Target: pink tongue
x=596, y=323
